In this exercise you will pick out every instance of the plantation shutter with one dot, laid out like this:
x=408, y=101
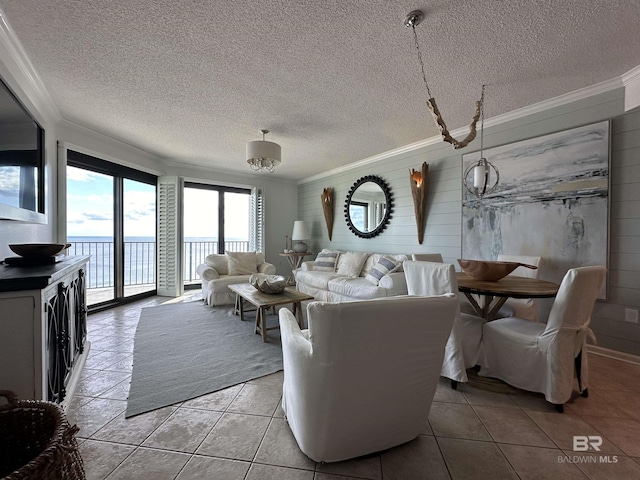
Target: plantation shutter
x=170, y=281
x=256, y=217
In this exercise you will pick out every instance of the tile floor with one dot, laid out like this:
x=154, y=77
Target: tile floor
x=240, y=433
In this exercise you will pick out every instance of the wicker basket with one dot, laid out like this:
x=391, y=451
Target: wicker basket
x=37, y=442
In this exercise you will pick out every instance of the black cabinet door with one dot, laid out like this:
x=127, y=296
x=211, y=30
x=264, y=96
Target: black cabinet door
x=80, y=313
x=57, y=344
x=52, y=351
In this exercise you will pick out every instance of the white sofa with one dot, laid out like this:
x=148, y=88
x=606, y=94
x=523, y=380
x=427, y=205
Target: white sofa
x=220, y=271
x=351, y=278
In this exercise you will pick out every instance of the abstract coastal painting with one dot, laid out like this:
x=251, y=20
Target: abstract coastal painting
x=552, y=201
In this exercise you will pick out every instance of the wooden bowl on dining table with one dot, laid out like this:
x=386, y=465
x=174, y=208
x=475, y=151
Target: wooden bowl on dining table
x=489, y=271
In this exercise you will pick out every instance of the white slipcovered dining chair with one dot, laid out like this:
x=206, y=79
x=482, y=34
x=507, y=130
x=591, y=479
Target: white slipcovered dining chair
x=521, y=307
x=544, y=358
x=362, y=377
x=463, y=345
x=427, y=257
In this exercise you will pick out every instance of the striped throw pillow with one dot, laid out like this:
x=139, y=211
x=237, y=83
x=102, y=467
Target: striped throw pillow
x=326, y=261
x=385, y=265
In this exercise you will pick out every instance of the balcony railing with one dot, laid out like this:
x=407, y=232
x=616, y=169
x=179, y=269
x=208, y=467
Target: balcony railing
x=140, y=260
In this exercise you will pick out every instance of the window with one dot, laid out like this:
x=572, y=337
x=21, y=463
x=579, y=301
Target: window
x=217, y=219
x=111, y=215
x=359, y=213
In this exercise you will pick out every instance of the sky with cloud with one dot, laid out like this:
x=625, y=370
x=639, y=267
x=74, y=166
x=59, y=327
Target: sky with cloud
x=90, y=209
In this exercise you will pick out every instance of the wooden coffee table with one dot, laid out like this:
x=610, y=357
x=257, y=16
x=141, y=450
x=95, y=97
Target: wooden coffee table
x=264, y=301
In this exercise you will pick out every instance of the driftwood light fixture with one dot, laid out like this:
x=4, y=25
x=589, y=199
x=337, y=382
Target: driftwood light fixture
x=411, y=20
x=327, y=209
x=418, y=180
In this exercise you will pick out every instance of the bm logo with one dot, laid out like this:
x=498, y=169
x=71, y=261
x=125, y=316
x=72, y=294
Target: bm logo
x=583, y=443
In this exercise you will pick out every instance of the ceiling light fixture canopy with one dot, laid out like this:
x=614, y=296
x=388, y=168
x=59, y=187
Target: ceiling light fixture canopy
x=263, y=155
x=411, y=20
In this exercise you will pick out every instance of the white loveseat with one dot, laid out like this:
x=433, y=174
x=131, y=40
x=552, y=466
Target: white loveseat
x=220, y=271
x=354, y=276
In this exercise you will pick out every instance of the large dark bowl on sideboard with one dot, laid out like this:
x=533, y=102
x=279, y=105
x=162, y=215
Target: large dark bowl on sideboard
x=38, y=250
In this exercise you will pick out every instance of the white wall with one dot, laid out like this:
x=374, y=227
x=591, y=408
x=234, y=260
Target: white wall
x=19, y=81
x=444, y=203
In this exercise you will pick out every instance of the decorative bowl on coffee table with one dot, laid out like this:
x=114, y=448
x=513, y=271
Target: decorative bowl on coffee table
x=489, y=271
x=270, y=284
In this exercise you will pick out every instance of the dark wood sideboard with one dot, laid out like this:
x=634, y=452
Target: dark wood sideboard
x=43, y=328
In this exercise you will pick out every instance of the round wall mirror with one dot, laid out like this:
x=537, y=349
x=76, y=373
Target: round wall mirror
x=368, y=207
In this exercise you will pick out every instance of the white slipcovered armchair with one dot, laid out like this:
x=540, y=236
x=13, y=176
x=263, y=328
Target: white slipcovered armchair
x=463, y=345
x=221, y=270
x=543, y=358
x=362, y=377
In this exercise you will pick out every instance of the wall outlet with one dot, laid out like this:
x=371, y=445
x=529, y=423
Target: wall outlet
x=631, y=315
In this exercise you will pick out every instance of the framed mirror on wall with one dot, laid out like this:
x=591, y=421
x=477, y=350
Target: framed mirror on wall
x=21, y=162
x=368, y=206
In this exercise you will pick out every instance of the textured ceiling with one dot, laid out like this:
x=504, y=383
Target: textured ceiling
x=335, y=81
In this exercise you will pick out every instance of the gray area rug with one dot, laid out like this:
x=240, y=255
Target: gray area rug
x=185, y=350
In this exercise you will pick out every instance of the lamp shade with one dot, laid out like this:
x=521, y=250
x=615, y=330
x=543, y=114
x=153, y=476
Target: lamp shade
x=263, y=150
x=300, y=231
x=479, y=176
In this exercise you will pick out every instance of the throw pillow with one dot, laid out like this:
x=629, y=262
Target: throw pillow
x=385, y=265
x=219, y=262
x=326, y=261
x=242, y=263
x=351, y=263
x=399, y=259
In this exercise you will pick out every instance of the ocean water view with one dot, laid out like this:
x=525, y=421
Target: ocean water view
x=140, y=257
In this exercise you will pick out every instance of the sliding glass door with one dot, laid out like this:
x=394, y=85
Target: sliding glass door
x=201, y=232
x=90, y=229
x=111, y=216
x=139, y=232
x=236, y=221
x=216, y=219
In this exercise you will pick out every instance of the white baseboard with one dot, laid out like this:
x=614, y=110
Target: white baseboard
x=605, y=352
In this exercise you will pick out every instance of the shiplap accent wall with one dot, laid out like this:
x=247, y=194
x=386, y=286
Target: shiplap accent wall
x=444, y=203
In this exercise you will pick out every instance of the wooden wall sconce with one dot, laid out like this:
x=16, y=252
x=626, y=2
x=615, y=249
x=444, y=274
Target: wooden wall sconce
x=327, y=209
x=418, y=180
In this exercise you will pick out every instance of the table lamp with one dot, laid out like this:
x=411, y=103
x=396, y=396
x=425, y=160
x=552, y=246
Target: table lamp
x=299, y=235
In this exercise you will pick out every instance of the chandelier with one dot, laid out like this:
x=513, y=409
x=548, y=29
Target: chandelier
x=263, y=155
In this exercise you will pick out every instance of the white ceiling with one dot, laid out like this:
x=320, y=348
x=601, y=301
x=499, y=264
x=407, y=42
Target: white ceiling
x=336, y=81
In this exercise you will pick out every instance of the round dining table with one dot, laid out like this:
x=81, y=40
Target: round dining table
x=493, y=295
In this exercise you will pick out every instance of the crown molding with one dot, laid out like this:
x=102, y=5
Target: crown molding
x=97, y=144
x=580, y=94
x=249, y=177
x=631, y=82
x=554, y=102
x=631, y=76
x=23, y=72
